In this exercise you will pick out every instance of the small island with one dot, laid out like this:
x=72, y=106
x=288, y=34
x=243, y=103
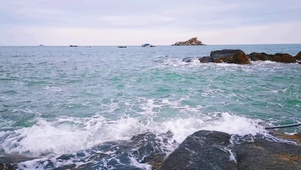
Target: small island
x=191, y=41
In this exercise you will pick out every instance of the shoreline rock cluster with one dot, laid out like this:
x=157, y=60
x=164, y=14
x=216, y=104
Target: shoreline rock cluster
x=237, y=56
x=191, y=41
x=213, y=150
x=202, y=150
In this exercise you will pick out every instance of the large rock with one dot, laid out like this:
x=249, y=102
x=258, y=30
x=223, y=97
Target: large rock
x=211, y=150
x=229, y=56
x=267, y=154
x=205, y=59
x=298, y=56
x=191, y=41
x=278, y=57
x=201, y=150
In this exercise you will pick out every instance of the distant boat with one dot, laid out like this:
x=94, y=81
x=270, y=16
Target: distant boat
x=41, y=45
x=147, y=45
x=73, y=45
x=121, y=46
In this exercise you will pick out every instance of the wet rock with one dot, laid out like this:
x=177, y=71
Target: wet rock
x=206, y=59
x=278, y=57
x=267, y=154
x=283, y=58
x=229, y=56
x=143, y=148
x=259, y=56
x=187, y=59
x=298, y=56
x=201, y=150
x=9, y=161
x=191, y=41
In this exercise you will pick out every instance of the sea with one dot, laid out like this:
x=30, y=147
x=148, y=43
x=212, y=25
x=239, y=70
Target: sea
x=103, y=107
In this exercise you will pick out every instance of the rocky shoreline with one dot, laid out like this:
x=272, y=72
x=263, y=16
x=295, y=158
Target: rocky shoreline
x=237, y=56
x=201, y=150
x=218, y=150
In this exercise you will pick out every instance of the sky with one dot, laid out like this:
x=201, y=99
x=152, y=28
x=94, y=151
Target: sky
x=158, y=22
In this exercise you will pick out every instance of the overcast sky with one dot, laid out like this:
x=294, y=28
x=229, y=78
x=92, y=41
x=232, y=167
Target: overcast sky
x=159, y=22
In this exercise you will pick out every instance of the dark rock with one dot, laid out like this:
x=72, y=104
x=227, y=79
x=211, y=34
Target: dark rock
x=278, y=57
x=187, y=59
x=9, y=161
x=201, y=150
x=259, y=56
x=229, y=56
x=298, y=56
x=267, y=154
x=205, y=59
x=191, y=41
x=283, y=58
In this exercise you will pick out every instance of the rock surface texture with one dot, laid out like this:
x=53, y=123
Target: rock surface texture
x=202, y=150
x=213, y=150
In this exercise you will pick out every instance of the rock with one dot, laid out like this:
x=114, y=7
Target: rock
x=298, y=56
x=191, y=41
x=205, y=59
x=229, y=56
x=267, y=154
x=201, y=150
x=10, y=161
x=259, y=56
x=278, y=57
x=187, y=59
x=283, y=58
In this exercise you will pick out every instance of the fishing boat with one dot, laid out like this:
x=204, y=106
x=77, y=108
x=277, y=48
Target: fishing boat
x=121, y=46
x=73, y=46
x=147, y=45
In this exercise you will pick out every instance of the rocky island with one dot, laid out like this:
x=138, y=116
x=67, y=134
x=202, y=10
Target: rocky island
x=191, y=41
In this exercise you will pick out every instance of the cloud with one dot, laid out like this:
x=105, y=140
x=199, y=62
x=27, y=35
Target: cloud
x=30, y=22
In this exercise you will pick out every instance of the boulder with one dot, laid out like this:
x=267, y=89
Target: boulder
x=259, y=56
x=283, y=58
x=206, y=59
x=229, y=56
x=191, y=41
x=298, y=56
x=213, y=150
x=278, y=57
x=201, y=150
x=267, y=154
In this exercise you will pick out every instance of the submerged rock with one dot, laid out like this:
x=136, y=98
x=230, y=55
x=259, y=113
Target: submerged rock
x=191, y=41
x=201, y=150
x=143, y=150
x=187, y=59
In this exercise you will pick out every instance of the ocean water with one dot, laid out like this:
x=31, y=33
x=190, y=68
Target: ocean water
x=106, y=107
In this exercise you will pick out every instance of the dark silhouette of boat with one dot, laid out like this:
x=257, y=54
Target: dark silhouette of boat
x=121, y=46
x=147, y=45
x=73, y=46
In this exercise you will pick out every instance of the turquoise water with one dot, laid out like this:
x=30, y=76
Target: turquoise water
x=60, y=100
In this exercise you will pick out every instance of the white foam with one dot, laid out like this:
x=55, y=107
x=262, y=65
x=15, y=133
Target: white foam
x=233, y=124
x=69, y=135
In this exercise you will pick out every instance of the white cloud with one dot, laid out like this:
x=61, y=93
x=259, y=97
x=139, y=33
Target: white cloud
x=159, y=22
